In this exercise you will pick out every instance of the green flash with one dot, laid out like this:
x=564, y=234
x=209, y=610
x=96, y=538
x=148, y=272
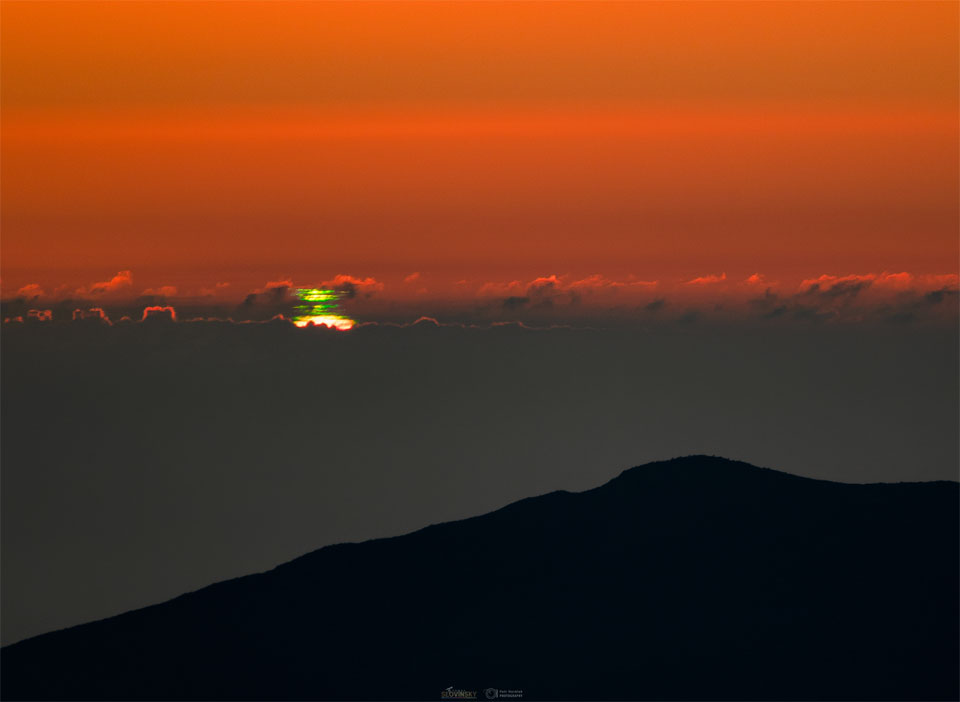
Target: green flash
x=318, y=306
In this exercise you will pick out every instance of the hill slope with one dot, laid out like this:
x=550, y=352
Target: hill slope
x=697, y=578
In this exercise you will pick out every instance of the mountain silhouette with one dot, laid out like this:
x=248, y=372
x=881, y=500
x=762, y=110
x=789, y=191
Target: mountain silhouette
x=695, y=578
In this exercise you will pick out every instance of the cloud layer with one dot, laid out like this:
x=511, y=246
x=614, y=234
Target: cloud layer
x=548, y=300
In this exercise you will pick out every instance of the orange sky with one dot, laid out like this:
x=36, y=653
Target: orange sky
x=195, y=142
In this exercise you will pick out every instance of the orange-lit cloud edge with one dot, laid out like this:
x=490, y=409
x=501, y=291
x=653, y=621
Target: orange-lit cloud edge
x=549, y=300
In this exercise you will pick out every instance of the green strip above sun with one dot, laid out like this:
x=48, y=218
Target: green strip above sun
x=319, y=307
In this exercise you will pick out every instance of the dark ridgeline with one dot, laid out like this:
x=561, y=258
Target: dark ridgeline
x=697, y=578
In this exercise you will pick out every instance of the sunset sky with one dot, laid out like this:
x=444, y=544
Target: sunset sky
x=196, y=143
x=529, y=244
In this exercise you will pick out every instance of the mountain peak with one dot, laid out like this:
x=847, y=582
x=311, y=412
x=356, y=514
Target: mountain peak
x=698, y=472
x=694, y=578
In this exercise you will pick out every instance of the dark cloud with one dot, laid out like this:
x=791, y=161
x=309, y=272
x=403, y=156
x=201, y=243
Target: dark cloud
x=936, y=297
x=351, y=287
x=843, y=289
x=805, y=313
x=273, y=299
x=911, y=307
x=515, y=302
x=769, y=297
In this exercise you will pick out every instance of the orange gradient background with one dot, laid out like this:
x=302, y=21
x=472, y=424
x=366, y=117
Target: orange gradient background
x=194, y=142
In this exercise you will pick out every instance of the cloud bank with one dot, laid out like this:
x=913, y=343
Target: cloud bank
x=543, y=301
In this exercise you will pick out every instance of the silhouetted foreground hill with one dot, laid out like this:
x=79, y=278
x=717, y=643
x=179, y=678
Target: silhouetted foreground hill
x=697, y=578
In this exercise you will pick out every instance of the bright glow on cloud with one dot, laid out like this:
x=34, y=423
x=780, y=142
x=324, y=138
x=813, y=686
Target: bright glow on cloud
x=40, y=315
x=332, y=321
x=158, y=311
x=30, y=291
x=119, y=283
x=708, y=279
